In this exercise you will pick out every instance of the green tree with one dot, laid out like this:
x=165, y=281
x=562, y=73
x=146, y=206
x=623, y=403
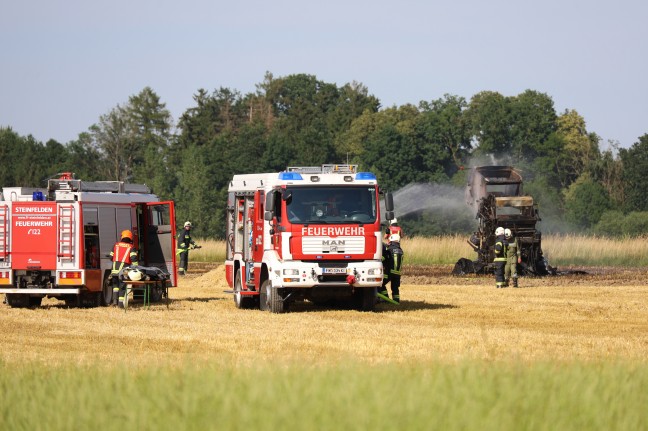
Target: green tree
x=585, y=202
x=532, y=121
x=635, y=167
x=488, y=117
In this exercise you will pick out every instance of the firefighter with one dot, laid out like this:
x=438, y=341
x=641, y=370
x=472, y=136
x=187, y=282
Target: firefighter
x=513, y=257
x=185, y=243
x=392, y=263
x=123, y=255
x=393, y=228
x=500, y=257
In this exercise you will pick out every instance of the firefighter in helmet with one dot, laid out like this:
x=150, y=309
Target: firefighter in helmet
x=513, y=257
x=500, y=257
x=393, y=228
x=185, y=243
x=392, y=263
x=123, y=255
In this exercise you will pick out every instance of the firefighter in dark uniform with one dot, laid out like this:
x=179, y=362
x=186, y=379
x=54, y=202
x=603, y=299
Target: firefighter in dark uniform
x=500, y=257
x=392, y=263
x=124, y=255
x=184, y=243
x=513, y=257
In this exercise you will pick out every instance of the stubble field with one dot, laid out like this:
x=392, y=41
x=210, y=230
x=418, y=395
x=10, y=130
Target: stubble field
x=572, y=337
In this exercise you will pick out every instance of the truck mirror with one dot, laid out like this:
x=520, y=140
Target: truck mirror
x=389, y=203
x=268, y=215
x=389, y=215
x=269, y=203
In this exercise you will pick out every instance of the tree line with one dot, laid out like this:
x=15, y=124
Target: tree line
x=298, y=120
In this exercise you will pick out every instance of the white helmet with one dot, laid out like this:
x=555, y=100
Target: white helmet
x=499, y=231
x=394, y=237
x=135, y=274
x=394, y=220
x=187, y=223
x=507, y=233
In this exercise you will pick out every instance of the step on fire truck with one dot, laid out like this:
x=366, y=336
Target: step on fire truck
x=308, y=233
x=56, y=242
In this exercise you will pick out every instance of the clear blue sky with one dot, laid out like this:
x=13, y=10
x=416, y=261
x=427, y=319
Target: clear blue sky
x=66, y=63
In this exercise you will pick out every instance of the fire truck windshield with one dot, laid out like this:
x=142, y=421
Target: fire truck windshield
x=331, y=205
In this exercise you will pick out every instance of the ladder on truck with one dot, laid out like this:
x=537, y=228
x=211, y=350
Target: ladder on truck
x=66, y=223
x=4, y=232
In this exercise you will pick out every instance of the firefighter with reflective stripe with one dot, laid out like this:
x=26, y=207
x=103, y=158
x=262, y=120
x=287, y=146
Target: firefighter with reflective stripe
x=392, y=264
x=500, y=257
x=393, y=228
x=123, y=255
x=513, y=257
x=184, y=242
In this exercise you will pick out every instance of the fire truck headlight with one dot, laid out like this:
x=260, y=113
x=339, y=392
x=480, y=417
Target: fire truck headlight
x=374, y=271
x=290, y=272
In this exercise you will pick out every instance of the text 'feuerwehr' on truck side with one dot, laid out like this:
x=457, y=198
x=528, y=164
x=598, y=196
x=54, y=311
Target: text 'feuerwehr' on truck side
x=307, y=233
x=55, y=242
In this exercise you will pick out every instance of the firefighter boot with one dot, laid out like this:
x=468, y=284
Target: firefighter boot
x=115, y=295
x=515, y=280
x=396, y=298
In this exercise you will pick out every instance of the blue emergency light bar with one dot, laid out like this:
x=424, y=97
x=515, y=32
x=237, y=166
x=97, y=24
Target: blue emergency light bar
x=365, y=176
x=290, y=176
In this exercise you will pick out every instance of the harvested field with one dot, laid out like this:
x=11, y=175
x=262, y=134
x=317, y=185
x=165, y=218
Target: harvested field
x=594, y=317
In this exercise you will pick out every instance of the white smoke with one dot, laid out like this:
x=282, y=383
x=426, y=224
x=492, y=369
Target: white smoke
x=418, y=197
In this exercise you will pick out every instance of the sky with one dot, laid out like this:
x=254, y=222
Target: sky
x=65, y=63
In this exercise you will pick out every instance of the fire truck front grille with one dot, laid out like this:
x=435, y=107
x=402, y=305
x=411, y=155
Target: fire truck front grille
x=328, y=245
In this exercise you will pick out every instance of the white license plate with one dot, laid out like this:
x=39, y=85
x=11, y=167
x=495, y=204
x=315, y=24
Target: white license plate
x=334, y=270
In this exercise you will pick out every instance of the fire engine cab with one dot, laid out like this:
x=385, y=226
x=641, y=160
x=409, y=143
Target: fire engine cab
x=56, y=242
x=308, y=233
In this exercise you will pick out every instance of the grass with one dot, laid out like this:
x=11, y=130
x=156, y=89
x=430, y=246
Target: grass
x=561, y=250
x=564, y=353
x=422, y=396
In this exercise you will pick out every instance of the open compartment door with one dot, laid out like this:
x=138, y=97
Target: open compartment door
x=160, y=249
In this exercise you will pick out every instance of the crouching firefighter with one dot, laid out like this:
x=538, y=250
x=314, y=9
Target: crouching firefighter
x=124, y=255
x=392, y=263
x=500, y=257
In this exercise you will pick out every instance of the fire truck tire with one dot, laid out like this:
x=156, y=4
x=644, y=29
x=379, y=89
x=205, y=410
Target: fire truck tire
x=17, y=301
x=365, y=299
x=276, y=303
x=241, y=301
x=264, y=295
x=106, y=295
x=35, y=301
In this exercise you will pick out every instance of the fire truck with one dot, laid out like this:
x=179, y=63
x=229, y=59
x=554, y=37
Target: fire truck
x=307, y=233
x=55, y=242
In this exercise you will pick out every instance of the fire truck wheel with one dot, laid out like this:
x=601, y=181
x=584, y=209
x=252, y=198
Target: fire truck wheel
x=241, y=301
x=276, y=302
x=107, y=291
x=17, y=301
x=264, y=295
x=365, y=299
x=35, y=301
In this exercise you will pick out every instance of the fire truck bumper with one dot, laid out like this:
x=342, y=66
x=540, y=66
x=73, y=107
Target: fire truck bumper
x=41, y=291
x=298, y=275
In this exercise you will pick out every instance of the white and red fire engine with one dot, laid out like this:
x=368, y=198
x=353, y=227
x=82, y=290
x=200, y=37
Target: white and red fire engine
x=306, y=233
x=55, y=242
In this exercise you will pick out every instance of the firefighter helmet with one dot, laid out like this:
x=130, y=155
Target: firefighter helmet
x=127, y=234
x=135, y=274
x=394, y=220
x=507, y=233
x=187, y=224
x=499, y=231
x=394, y=237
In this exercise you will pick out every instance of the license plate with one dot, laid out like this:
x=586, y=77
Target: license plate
x=334, y=270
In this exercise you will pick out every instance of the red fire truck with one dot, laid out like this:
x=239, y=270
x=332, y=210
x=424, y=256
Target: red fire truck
x=55, y=242
x=309, y=233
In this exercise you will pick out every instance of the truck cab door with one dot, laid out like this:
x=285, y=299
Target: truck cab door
x=160, y=241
